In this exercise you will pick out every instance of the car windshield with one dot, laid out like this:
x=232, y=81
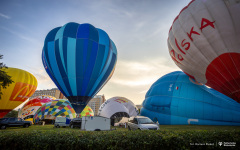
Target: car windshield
x=145, y=121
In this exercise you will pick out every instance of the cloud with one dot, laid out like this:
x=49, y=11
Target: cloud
x=135, y=73
x=21, y=35
x=5, y=16
x=133, y=78
x=121, y=13
x=40, y=74
x=44, y=81
x=143, y=92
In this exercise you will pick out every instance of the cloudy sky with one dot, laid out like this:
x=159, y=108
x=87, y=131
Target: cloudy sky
x=139, y=28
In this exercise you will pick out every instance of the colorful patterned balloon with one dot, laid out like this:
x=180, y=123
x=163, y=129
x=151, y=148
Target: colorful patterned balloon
x=87, y=111
x=51, y=110
x=29, y=109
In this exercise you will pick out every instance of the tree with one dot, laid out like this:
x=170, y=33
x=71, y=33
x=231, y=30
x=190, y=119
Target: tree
x=5, y=80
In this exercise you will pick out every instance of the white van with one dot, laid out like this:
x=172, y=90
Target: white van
x=62, y=122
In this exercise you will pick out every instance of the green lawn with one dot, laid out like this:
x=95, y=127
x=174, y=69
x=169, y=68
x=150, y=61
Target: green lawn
x=162, y=127
x=48, y=128
x=47, y=137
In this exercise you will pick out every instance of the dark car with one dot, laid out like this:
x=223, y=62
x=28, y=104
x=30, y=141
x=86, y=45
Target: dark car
x=14, y=122
x=76, y=122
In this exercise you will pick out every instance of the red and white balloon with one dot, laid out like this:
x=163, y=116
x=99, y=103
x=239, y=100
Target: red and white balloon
x=204, y=41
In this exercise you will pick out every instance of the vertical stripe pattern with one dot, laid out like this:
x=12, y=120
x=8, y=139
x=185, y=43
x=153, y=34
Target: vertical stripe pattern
x=79, y=58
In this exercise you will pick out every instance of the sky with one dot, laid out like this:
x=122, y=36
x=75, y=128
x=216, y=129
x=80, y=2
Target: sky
x=139, y=29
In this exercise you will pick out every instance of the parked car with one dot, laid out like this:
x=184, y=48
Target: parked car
x=76, y=122
x=142, y=123
x=14, y=122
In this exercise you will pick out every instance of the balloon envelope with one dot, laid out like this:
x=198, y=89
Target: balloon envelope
x=177, y=99
x=16, y=93
x=117, y=108
x=80, y=59
x=54, y=108
x=87, y=111
x=30, y=108
x=204, y=42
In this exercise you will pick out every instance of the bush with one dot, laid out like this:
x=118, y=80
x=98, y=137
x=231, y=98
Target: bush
x=120, y=140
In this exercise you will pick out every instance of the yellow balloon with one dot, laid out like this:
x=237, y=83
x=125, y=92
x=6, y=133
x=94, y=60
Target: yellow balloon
x=16, y=93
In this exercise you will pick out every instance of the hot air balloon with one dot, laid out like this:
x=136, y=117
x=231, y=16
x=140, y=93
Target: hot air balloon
x=116, y=108
x=87, y=111
x=176, y=99
x=16, y=93
x=29, y=109
x=49, y=111
x=80, y=59
x=204, y=41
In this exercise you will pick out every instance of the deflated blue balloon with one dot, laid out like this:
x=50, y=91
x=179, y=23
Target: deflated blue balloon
x=177, y=99
x=80, y=59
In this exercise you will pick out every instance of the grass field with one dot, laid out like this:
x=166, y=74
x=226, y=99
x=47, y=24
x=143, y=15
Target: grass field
x=169, y=137
x=162, y=127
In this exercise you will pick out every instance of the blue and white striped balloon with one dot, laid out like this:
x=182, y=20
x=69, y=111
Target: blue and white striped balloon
x=80, y=59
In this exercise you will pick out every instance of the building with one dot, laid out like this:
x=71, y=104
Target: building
x=55, y=92
x=96, y=102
